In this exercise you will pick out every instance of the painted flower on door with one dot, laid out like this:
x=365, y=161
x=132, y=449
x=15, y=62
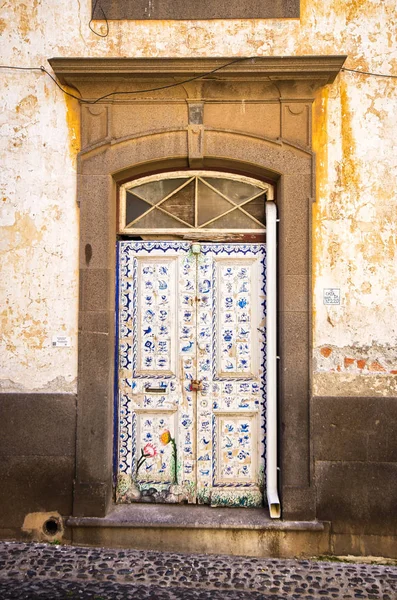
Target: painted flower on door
x=166, y=438
x=148, y=451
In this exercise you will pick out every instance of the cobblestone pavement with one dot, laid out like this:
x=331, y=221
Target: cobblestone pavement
x=40, y=571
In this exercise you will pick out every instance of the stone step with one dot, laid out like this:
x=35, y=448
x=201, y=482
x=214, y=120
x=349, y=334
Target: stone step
x=201, y=529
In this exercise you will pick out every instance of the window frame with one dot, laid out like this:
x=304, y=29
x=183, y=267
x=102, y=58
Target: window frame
x=190, y=231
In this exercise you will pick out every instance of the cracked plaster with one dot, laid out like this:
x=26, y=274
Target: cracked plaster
x=354, y=218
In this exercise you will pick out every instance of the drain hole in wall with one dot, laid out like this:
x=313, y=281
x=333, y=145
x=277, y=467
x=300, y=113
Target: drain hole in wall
x=51, y=527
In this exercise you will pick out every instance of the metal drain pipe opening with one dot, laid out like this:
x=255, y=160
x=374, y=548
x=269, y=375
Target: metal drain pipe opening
x=51, y=527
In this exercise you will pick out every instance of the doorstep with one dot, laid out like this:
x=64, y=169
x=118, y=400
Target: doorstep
x=191, y=516
x=201, y=529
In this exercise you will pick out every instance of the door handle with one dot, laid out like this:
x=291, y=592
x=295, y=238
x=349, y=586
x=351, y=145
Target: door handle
x=196, y=385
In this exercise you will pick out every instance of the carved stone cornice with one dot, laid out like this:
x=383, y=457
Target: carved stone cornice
x=91, y=75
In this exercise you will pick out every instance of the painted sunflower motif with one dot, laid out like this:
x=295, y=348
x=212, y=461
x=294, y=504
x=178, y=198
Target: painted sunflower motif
x=165, y=437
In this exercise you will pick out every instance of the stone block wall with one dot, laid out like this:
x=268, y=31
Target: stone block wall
x=37, y=457
x=355, y=471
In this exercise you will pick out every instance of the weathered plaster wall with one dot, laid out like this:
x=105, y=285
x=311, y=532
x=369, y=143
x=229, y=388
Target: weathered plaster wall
x=38, y=240
x=354, y=219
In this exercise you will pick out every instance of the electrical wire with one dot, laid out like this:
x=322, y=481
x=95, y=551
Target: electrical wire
x=155, y=89
x=103, y=35
x=168, y=86
x=171, y=85
x=21, y=68
x=43, y=70
x=368, y=73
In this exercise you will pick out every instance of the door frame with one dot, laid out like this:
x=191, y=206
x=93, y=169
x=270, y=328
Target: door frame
x=94, y=481
x=115, y=149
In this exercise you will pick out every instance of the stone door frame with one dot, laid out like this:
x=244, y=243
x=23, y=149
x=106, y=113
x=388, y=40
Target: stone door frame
x=115, y=150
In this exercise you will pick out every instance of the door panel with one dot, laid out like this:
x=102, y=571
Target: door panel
x=157, y=322
x=155, y=336
x=191, y=373
x=231, y=361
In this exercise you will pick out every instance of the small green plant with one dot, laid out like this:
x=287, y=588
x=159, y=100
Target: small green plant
x=54, y=542
x=328, y=558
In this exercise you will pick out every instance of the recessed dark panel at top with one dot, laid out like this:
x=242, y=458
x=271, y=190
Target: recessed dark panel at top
x=195, y=10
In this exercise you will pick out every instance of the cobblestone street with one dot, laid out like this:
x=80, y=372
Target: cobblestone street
x=35, y=571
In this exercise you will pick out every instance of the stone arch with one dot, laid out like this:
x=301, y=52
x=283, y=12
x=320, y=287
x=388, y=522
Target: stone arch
x=100, y=170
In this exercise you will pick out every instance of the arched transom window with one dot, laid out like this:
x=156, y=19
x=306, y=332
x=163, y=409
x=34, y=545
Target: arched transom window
x=193, y=203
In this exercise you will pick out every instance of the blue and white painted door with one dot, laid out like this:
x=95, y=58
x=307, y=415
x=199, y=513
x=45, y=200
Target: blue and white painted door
x=191, y=360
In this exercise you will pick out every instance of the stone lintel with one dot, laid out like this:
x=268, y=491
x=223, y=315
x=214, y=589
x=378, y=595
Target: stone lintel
x=70, y=71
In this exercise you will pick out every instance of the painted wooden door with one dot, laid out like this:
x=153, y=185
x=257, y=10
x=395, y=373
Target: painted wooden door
x=230, y=362
x=191, y=373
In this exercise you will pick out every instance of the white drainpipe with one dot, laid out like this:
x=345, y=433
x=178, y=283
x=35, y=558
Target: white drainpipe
x=271, y=361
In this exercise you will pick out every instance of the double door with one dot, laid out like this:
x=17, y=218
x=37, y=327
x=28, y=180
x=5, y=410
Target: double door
x=191, y=381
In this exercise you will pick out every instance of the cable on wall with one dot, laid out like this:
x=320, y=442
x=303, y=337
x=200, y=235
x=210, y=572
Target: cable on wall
x=368, y=73
x=103, y=35
x=168, y=86
x=155, y=89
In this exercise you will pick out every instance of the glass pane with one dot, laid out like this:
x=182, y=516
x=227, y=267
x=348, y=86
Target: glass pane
x=135, y=207
x=234, y=220
x=181, y=204
x=256, y=208
x=156, y=219
x=210, y=204
x=235, y=190
x=155, y=191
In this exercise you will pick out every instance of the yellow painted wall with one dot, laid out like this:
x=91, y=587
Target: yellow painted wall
x=354, y=218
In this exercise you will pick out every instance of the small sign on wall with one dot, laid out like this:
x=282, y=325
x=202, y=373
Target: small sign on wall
x=61, y=341
x=331, y=295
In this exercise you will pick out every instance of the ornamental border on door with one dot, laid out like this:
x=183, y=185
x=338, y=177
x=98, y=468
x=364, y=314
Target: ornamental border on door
x=122, y=409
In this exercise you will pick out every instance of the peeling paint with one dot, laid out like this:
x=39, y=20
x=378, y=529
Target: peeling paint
x=73, y=122
x=354, y=217
x=359, y=360
x=349, y=384
x=57, y=385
